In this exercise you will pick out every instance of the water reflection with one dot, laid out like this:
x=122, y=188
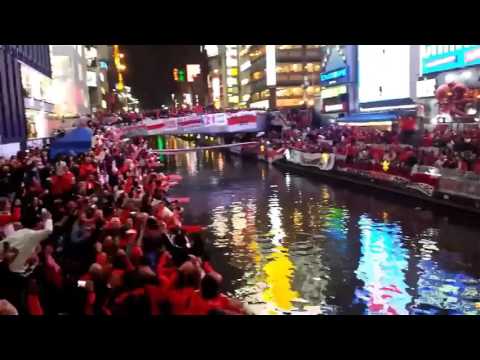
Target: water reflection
x=289, y=244
x=382, y=268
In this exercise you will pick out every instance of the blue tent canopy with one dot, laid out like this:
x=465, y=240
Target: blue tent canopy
x=76, y=142
x=369, y=117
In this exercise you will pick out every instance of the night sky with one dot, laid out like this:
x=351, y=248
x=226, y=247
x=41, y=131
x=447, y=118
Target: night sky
x=149, y=70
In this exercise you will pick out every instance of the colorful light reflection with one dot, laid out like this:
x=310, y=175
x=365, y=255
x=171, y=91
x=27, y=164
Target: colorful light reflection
x=382, y=268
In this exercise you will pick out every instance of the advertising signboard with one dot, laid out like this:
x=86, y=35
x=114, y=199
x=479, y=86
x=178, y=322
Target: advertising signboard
x=337, y=76
x=384, y=72
x=436, y=58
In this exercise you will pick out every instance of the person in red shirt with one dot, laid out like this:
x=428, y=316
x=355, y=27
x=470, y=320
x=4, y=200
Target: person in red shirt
x=210, y=299
x=87, y=168
x=7, y=217
x=63, y=181
x=188, y=282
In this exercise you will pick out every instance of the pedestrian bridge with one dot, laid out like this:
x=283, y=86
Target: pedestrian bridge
x=220, y=123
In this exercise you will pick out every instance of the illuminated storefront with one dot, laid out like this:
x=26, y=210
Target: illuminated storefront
x=13, y=129
x=289, y=72
x=39, y=103
x=69, y=86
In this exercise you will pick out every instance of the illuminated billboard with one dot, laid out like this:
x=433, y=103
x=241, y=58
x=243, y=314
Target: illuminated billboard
x=436, y=58
x=271, y=67
x=212, y=50
x=384, y=72
x=193, y=70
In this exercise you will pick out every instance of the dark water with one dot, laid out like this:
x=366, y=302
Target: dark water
x=290, y=244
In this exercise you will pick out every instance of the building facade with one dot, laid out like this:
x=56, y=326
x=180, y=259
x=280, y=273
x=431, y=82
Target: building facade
x=69, y=74
x=283, y=76
x=99, y=59
x=338, y=80
x=17, y=61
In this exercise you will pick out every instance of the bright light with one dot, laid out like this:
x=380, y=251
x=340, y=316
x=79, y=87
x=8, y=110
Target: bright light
x=287, y=154
x=467, y=74
x=121, y=55
x=385, y=165
x=384, y=72
x=198, y=136
x=245, y=65
x=193, y=70
x=450, y=77
x=426, y=88
x=333, y=91
x=211, y=50
x=271, y=60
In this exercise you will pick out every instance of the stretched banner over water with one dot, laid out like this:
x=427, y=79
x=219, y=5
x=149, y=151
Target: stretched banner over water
x=322, y=161
x=243, y=121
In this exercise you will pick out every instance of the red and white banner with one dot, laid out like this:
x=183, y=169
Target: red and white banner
x=190, y=121
x=244, y=121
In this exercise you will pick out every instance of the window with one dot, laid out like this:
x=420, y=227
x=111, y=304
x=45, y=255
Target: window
x=292, y=91
x=255, y=96
x=254, y=55
x=286, y=68
x=265, y=94
x=231, y=81
x=232, y=72
x=313, y=67
x=289, y=47
x=258, y=75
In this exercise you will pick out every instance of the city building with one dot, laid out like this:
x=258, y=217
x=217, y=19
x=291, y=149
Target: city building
x=69, y=73
x=193, y=81
x=24, y=85
x=281, y=76
x=99, y=59
x=244, y=66
x=215, y=76
x=120, y=99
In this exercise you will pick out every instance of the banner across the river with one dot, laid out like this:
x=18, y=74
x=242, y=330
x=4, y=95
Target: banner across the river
x=242, y=121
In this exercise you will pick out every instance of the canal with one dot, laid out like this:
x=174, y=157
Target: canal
x=287, y=244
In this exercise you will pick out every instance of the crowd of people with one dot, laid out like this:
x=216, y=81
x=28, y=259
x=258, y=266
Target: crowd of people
x=443, y=147
x=98, y=234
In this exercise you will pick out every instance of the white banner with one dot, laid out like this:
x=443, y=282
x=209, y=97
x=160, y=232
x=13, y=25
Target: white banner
x=322, y=161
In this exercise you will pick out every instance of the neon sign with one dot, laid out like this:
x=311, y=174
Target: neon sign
x=333, y=77
x=436, y=58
